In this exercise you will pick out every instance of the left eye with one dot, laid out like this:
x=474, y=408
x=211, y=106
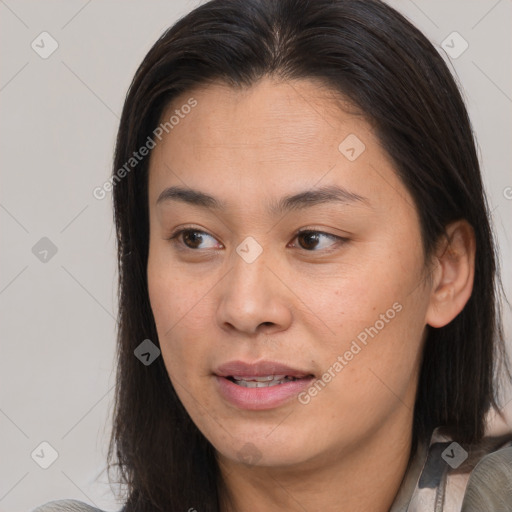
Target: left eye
x=312, y=240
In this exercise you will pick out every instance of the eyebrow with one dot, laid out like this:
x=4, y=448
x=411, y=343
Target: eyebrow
x=299, y=201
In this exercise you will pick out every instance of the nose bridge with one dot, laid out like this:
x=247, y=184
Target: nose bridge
x=250, y=276
x=248, y=289
x=251, y=294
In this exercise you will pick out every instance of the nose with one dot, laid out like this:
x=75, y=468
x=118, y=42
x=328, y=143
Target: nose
x=254, y=298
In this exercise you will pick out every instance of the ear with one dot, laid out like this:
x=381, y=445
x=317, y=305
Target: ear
x=454, y=270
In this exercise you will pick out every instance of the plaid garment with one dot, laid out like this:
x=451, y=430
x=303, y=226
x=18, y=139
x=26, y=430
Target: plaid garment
x=447, y=477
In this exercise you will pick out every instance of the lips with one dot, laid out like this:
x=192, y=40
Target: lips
x=260, y=386
x=261, y=371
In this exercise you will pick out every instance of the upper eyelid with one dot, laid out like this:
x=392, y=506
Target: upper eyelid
x=298, y=232
x=175, y=234
x=179, y=231
x=337, y=238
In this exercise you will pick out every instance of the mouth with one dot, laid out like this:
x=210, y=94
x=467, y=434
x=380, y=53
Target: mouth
x=260, y=385
x=260, y=371
x=266, y=381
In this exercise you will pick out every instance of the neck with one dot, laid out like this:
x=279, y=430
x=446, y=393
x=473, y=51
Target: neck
x=366, y=476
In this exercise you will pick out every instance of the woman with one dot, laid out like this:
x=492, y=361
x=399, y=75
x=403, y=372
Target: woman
x=308, y=317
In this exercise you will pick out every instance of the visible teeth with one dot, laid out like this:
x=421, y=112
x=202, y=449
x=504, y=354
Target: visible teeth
x=254, y=384
x=262, y=382
x=265, y=378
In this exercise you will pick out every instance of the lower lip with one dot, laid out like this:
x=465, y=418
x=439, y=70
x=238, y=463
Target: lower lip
x=257, y=399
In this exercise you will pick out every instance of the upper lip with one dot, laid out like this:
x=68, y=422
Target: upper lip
x=258, y=369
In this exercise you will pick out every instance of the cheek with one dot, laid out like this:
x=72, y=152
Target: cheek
x=379, y=362
x=180, y=309
x=368, y=302
x=172, y=294
x=379, y=318
x=377, y=380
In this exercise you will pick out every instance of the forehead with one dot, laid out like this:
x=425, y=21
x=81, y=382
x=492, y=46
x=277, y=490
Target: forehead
x=294, y=116
x=267, y=136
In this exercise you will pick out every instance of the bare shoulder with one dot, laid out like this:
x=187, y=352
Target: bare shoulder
x=66, y=506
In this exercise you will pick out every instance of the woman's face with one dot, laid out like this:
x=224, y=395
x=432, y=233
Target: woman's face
x=343, y=306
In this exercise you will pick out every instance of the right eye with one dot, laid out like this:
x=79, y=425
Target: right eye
x=192, y=239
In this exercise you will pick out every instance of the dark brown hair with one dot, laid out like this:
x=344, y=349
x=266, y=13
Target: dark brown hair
x=367, y=52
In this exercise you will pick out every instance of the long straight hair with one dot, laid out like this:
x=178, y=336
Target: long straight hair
x=371, y=55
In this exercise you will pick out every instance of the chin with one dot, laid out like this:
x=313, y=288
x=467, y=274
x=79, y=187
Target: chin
x=262, y=446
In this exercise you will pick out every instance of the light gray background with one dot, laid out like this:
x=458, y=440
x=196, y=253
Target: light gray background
x=59, y=120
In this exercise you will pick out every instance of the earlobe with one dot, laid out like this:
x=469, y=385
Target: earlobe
x=453, y=275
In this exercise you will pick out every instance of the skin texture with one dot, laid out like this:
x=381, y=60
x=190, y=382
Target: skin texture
x=302, y=301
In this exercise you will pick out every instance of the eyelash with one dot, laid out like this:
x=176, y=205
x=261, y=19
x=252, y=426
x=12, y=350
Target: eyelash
x=337, y=239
